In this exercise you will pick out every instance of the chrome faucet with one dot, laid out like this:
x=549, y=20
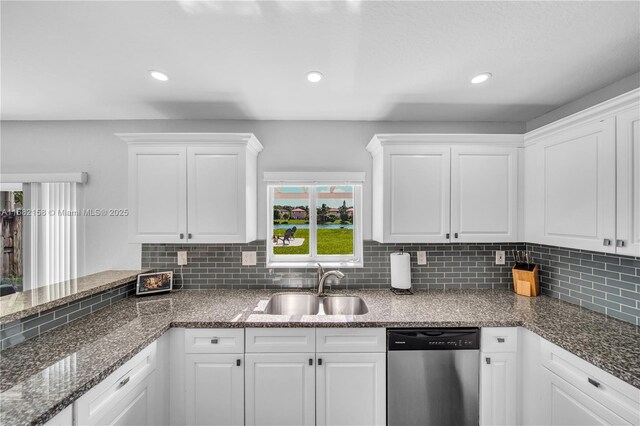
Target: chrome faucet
x=322, y=277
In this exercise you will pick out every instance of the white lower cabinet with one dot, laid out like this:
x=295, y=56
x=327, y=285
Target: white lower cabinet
x=129, y=396
x=567, y=405
x=498, y=376
x=214, y=391
x=351, y=389
x=280, y=389
x=63, y=418
x=498, y=389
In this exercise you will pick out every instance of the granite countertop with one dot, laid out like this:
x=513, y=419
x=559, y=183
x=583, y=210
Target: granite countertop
x=41, y=376
x=20, y=305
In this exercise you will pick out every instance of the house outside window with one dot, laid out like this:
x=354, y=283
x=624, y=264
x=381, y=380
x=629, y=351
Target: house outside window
x=314, y=219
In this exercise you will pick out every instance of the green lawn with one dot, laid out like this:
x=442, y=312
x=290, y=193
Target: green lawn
x=330, y=241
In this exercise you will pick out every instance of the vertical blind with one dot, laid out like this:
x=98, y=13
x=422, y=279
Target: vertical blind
x=54, y=238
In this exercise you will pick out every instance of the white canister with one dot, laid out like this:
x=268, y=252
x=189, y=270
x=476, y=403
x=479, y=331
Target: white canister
x=400, y=270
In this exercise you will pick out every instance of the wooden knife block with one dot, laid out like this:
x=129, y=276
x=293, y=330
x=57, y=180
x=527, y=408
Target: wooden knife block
x=525, y=282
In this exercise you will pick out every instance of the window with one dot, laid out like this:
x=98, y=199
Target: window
x=314, y=222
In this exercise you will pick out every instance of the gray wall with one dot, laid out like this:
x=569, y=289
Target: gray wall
x=59, y=146
x=608, y=92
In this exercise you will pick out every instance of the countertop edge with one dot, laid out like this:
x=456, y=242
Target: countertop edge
x=5, y=319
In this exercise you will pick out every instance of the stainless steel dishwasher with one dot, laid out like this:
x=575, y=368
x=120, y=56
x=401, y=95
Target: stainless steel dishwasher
x=433, y=376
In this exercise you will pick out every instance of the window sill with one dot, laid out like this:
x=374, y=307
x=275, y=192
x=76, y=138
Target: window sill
x=314, y=264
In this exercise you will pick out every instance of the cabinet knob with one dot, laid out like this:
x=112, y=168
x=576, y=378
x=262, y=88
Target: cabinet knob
x=455, y=235
x=594, y=383
x=606, y=242
x=238, y=362
x=182, y=236
x=619, y=243
x=214, y=341
x=447, y=236
x=310, y=361
x=500, y=339
x=319, y=361
x=487, y=360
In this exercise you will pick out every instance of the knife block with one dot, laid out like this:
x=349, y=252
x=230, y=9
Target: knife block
x=526, y=282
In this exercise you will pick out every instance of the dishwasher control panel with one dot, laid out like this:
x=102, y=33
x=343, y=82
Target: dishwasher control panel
x=433, y=339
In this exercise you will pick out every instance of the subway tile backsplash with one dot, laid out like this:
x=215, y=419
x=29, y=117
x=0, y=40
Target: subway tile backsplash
x=605, y=283
x=20, y=330
x=448, y=266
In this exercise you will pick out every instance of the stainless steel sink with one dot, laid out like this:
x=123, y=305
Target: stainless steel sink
x=293, y=304
x=311, y=304
x=344, y=305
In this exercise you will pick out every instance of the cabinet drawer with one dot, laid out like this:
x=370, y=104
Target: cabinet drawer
x=101, y=399
x=350, y=340
x=499, y=339
x=214, y=340
x=280, y=340
x=618, y=396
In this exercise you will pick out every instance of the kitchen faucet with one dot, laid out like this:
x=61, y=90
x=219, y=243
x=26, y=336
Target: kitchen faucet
x=322, y=277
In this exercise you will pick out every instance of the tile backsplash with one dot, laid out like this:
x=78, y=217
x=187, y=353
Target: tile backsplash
x=448, y=266
x=605, y=283
x=20, y=330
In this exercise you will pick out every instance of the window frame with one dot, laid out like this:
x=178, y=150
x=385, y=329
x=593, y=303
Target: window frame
x=355, y=260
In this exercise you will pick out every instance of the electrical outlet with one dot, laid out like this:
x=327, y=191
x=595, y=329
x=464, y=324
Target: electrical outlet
x=182, y=258
x=422, y=258
x=248, y=258
x=499, y=257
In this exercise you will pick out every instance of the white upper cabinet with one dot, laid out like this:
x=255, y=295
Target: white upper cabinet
x=192, y=187
x=581, y=180
x=484, y=194
x=628, y=191
x=573, y=181
x=157, y=193
x=430, y=188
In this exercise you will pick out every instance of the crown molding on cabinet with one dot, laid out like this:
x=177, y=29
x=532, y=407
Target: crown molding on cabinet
x=247, y=139
x=609, y=107
x=380, y=140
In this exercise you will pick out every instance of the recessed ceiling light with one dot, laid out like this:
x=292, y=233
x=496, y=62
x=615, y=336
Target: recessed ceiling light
x=160, y=76
x=481, y=78
x=314, y=76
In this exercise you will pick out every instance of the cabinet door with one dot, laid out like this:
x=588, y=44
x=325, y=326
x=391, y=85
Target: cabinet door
x=63, y=418
x=417, y=190
x=135, y=409
x=576, y=171
x=157, y=194
x=280, y=389
x=351, y=389
x=214, y=389
x=484, y=200
x=628, y=173
x=566, y=405
x=498, y=389
x=216, y=192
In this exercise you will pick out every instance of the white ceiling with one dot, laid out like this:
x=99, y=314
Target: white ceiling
x=386, y=60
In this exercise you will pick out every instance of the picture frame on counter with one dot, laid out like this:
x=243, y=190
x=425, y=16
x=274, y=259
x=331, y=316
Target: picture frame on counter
x=154, y=282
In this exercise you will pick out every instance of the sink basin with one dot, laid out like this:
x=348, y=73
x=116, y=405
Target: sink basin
x=293, y=304
x=310, y=304
x=344, y=305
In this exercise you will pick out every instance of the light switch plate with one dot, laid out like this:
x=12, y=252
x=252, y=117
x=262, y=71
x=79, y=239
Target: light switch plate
x=248, y=258
x=422, y=258
x=499, y=257
x=182, y=258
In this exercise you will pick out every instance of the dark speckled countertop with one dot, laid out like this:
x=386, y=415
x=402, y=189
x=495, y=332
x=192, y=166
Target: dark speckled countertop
x=41, y=376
